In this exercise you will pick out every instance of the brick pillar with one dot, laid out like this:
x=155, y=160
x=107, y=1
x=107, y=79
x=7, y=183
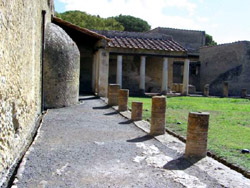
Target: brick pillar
x=158, y=119
x=103, y=72
x=197, y=131
x=123, y=100
x=243, y=93
x=206, y=90
x=136, y=111
x=225, y=89
x=113, y=93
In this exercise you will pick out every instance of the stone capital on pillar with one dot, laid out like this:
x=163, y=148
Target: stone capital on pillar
x=142, y=74
x=185, y=77
x=119, y=71
x=164, y=83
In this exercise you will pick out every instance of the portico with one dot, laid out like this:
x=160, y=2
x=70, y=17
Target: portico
x=140, y=62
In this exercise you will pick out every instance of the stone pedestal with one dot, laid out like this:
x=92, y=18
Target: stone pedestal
x=206, y=90
x=197, y=132
x=113, y=93
x=243, y=93
x=175, y=87
x=225, y=89
x=123, y=100
x=158, y=118
x=137, y=108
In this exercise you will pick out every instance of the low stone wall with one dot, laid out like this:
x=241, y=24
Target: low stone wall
x=20, y=76
x=227, y=62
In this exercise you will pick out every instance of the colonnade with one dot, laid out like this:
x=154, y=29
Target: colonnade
x=101, y=72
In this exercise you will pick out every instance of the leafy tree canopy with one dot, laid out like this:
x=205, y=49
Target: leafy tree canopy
x=88, y=21
x=131, y=23
x=210, y=41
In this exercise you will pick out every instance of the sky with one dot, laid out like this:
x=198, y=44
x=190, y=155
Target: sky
x=226, y=20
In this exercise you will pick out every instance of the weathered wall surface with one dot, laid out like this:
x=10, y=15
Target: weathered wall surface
x=61, y=68
x=20, y=75
x=227, y=62
x=189, y=39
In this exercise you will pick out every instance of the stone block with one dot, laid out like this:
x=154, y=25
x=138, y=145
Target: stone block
x=123, y=100
x=197, y=132
x=225, y=89
x=113, y=94
x=158, y=119
x=137, y=109
x=243, y=93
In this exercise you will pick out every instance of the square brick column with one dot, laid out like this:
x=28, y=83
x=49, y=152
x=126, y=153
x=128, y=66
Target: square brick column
x=103, y=72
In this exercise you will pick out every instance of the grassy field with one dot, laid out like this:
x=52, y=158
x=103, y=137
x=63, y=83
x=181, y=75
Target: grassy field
x=229, y=125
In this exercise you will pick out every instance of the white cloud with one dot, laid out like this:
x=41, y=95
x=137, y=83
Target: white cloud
x=183, y=4
x=185, y=14
x=151, y=11
x=202, y=19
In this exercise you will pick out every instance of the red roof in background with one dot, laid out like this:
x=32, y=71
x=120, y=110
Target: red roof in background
x=145, y=44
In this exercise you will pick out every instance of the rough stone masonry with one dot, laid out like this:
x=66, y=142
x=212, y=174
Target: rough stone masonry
x=20, y=76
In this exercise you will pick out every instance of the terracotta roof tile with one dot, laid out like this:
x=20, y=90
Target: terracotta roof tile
x=143, y=43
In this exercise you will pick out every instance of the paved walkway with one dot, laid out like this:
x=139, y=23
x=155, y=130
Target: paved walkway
x=91, y=145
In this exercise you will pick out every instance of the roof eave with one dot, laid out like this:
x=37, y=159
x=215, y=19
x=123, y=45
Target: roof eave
x=88, y=32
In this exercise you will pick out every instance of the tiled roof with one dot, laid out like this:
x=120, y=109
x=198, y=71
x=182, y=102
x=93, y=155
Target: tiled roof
x=144, y=41
x=146, y=44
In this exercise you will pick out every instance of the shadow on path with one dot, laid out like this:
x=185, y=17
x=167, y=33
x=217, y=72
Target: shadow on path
x=126, y=122
x=85, y=98
x=141, y=139
x=101, y=107
x=111, y=113
x=181, y=163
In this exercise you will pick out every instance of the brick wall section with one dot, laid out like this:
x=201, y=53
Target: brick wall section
x=20, y=75
x=227, y=62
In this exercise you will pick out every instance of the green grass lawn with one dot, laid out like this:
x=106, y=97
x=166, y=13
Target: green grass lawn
x=229, y=125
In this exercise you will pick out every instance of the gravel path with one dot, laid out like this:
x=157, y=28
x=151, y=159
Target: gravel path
x=91, y=145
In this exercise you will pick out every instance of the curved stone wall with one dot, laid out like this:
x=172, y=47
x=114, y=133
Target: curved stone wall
x=61, y=69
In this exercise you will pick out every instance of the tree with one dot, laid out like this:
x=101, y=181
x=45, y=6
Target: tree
x=85, y=20
x=210, y=41
x=131, y=23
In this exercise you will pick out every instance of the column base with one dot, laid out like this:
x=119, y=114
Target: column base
x=164, y=93
x=142, y=91
x=184, y=94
